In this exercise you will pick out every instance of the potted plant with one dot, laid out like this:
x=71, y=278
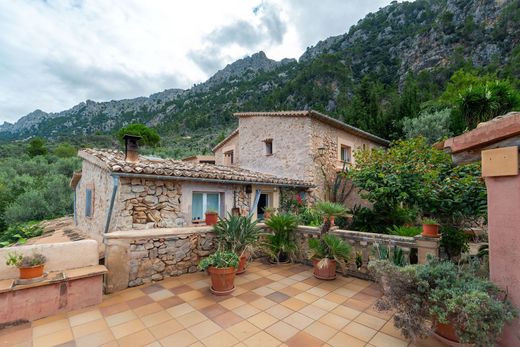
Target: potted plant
x=222, y=267
x=329, y=211
x=281, y=244
x=440, y=297
x=238, y=234
x=430, y=227
x=29, y=266
x=268, y=212
x=211, y=216
x=327, y=252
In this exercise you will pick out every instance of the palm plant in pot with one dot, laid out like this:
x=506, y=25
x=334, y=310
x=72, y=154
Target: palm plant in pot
x=29, y=266
x=327, y=252
x=238, y=234
x=329, y=211
x=281, y=244
x=222, y=267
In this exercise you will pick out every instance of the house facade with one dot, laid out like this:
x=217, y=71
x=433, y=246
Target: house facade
x=303, y=145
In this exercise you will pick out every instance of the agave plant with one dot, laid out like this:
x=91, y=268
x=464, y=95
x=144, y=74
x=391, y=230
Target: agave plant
x=330, y=247
x=281, y=245
x=237, y=234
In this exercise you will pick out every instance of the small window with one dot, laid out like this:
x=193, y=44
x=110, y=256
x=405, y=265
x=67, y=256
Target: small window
x=201, y=202
x=364, y=147
x=88, y=203
x=268, y=147
x=346, y=154
x=229, y=158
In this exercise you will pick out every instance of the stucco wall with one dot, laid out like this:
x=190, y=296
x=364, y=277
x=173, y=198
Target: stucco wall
x=100, y=182
x=231, y=143
x=291, y=145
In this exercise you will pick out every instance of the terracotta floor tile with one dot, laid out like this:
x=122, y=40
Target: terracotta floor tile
x=148, y=309
x=191, y=318
x=248, y=296
x=279, y=311
x=373, y=291
x=390, y=329
x=306, y=297
x=138, y=339
x=282, y=331
x=262, y=320
x=231, y=303
x=112, y=299
x=179, y=339
x=127, y=328
x=204, y=329
x=384, y=340
x=325, y=304
x=298, y=320
x=313, y=312
x=321, y=331
x=110, y=344
x=250, y=285
x=201, y=302
x=303, y=339
x=347, y=293
x=318, y=292
x=120, y=318
x=243, y=330
x=380, y=314
x=365, y=298
x=343, y=340
x=246, y=311
x=277, y=297
x=96, y=339
x=276, y=286
x=170, y=302
x=46, y=320
x=180, y=310
x=263, y=291
x=220, y=339
x=166, y=328
x=155, y=318
x=301, y=286
x=171, y=282
x=181, y=289
x=213, y=310
x=225, y=320
x=199, y=284
x=294, y=304
x=55, y=338
x=262, y=304
x=290, y=291
x=140, y=301
x=370, y=321
x=161, y=294
x=262, y=339
x=346, y=312
x=334, y=297
x=89, y=328
x=151, y=288
x=131, y=293
x=84, y=317
x=16, y=336
x=359, y=331
x=113, y=309
x=334, y=321
x=356, y=304
x=49, y=328
x=191, y=295
x=155, y=344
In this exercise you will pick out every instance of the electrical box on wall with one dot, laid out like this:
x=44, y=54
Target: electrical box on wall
x=500, y=162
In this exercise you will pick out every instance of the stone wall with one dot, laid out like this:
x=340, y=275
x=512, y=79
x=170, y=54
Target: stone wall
x=146, y=204
x=154, y=259
x=231, y=143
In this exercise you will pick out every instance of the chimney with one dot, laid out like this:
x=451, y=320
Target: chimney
x=131, y=148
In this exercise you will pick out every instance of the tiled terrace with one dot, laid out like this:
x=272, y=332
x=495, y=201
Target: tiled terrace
x=273, y=305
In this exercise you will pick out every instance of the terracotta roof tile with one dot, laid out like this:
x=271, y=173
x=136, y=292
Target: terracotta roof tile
x=114, y=161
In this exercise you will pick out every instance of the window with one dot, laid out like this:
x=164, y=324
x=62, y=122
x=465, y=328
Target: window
x=268, y=147
x=229, y=158
x=201, y=202
x=88, y=203
x=346, y=154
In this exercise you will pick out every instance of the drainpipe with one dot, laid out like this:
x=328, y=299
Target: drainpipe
x=75, y=216
x=112, y=201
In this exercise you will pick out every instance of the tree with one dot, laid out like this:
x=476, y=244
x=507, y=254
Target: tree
x=36, y=147
x=433, y=126
x=65, y=150
x=149, y=136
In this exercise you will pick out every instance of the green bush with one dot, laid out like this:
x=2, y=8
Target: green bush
x=281, y=245
x=237, y=234
x=19, y=233
x=454, y=241
x=330, y=246
x=403, y=230
x=149, y=136
x=220, y=260
x=433, y=126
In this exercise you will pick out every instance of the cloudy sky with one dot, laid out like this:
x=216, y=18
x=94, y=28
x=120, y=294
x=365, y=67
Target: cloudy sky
x=57, y=53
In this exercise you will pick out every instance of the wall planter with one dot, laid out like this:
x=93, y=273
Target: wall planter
x=222, y=280
x=324, y=269
x=211, y=217
x=30, y=272
x=430, y=230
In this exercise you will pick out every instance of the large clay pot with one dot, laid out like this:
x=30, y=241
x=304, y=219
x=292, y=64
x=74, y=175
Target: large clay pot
x=31, y=272
x=242, y=264
x=430, y=230
x=446, y=333
x=326, y=270
x=222, y=280
x=211, y=218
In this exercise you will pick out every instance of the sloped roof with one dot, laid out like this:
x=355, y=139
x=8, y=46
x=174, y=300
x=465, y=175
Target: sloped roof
x=114, y=161
x=321, y=117
x=223, y=142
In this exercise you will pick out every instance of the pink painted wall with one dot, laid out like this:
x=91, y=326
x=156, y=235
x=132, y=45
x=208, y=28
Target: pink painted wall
x=504, y=243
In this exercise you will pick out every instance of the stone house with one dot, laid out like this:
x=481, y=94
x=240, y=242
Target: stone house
x=302, y=145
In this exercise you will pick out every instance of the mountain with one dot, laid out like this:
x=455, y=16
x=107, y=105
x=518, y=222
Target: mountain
x=429, y=39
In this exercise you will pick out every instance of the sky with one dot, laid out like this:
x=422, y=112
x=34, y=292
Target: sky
x=56, y=53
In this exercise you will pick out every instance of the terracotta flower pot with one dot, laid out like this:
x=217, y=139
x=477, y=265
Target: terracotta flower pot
x=325, y=270
x=329, y=218
x=267, y=215
x=222, y=280
x=446, y=333
x=31, y=272
x=211, y=218
x=430, y=230
x=242, y=264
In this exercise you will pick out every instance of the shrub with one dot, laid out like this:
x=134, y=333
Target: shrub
x=454, y=241
x=281, y=244
x=432, y=126
x=220, y=260
x=330, y=246
x=237, y=234
x=28, y=206
x=149, y=137
x=19, y=233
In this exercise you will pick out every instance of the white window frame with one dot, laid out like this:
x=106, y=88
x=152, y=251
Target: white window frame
x=347, y=150
x=205, y=202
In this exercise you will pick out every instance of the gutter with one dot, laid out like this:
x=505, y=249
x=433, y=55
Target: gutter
x=199, y=179
x=112, y=201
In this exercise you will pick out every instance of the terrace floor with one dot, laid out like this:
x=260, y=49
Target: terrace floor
x=273, y=305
